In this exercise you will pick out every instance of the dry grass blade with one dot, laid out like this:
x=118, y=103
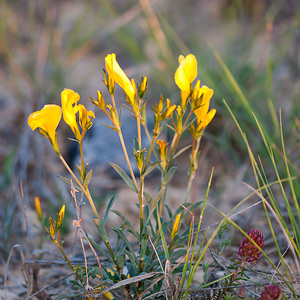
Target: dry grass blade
x=280, y=225
x=131, y=280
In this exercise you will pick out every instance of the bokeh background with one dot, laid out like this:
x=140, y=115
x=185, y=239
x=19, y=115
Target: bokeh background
x=46, y=46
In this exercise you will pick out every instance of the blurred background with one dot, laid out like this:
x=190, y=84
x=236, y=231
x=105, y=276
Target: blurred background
x=247, y=51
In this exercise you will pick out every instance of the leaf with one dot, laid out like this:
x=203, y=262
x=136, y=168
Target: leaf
x=133, y=260
x=124, y=176
x=68, y=181
x=127, y=222
x=74, y=140
x=181, y=151
x=111, y=202
x=111, y=127
x=128, y=245
x=131, y=280
x=169, y=175
x=88, y=178
x=150, y=169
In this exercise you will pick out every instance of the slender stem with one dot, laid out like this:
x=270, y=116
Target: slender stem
x=162, y=199
x=127, y=159
x=195, y=150
x=82, y=158
x=173, y=149
x=85, y=260
x=141, y=204
x=149, y=153
x=176, y=139
x=138, y=120
x=84, y=189
x=65, y=256
x=147, y=132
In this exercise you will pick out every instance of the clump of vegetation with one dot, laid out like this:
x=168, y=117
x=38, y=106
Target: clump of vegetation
x=170, y=248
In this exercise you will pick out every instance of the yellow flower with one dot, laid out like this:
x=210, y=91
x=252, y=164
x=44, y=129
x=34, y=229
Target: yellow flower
x=204, y=116
x=69, y=100
x=185, y=75
x=118, y=75
x=46, y=121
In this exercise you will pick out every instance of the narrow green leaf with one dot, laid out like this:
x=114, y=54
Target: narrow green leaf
x=182, y=151
x=111, y=127
x=127, y=243
x=150, y=169
x=124, y=176
x=128, y=224
x=169, y=175
x=111, y=202
x=68, y=181
x=162, y=236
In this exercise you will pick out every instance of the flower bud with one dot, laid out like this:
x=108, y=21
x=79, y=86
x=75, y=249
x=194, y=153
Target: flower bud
x=52, y=229
x=162, y=149
x=139, y=156
x=247, y=250
x=143, y=86
x=38, y=208
x=85, y=117
x=60, y=217
x=100, y=101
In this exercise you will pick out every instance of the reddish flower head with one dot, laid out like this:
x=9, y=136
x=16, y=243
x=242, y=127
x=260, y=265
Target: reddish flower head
x=271, y=292
x=248, y=251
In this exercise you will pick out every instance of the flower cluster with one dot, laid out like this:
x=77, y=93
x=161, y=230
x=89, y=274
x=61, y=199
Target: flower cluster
x=247, y=250
x=200, y=97
x=47, y=119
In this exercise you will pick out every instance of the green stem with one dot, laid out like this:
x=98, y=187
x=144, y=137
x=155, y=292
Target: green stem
x=84, y=189
x=195, y=150
x=58, y=243
x=138, y=120
x=149, y=154
x=127, y=158
x=82, y=158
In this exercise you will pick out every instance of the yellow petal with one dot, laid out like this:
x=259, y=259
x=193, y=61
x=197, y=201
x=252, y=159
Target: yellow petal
x=115, y=71
x=47, y=120
x=185, y=75
x=186, y=72
x=69, y=100
x=190, y=67
x=202, y=111
x=208, y=118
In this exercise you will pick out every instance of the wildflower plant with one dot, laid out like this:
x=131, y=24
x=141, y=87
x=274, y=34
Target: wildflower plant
x=159, y=240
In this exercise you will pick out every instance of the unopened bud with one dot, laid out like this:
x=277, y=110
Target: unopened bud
x=38, y=208
x=143, y=86
x=60, y=217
